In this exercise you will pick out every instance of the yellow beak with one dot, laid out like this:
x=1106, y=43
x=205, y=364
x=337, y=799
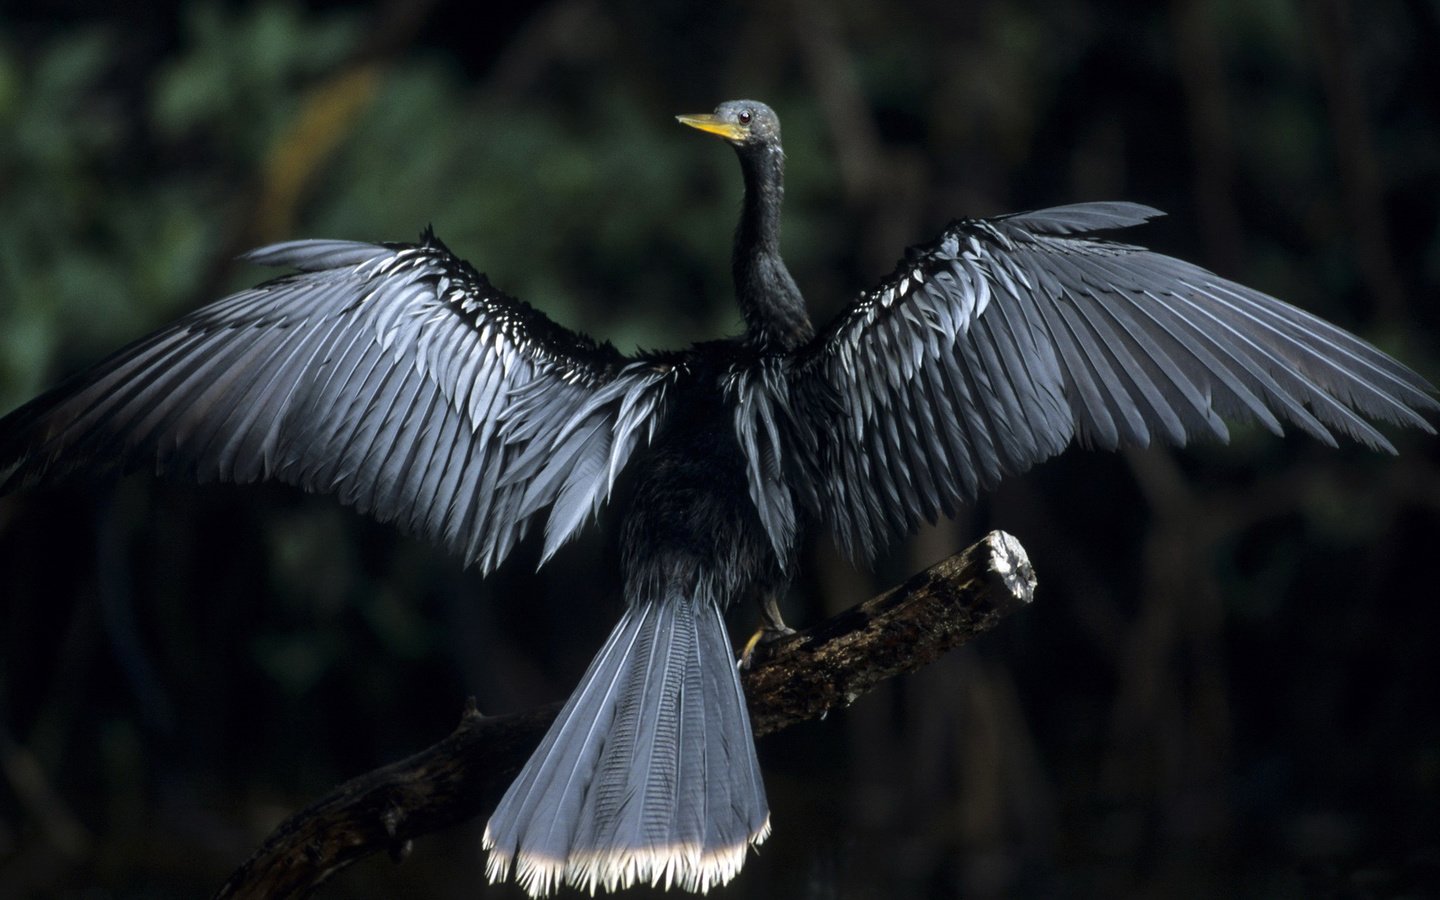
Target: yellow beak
x=708, y=122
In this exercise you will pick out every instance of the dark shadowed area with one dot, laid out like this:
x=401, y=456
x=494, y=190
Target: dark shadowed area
x=1226, y=685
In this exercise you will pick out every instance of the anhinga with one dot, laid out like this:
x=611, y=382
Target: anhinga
x=397, y=378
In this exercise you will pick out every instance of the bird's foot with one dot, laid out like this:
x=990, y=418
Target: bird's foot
x=772, y=628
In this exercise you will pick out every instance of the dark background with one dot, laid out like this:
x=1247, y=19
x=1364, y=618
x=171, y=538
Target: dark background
x=1227, y=685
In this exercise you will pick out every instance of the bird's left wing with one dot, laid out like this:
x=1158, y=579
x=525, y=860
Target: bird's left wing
x=997, y=345
x=393, y=376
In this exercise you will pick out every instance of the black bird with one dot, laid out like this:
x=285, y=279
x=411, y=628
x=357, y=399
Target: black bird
x=397, y=378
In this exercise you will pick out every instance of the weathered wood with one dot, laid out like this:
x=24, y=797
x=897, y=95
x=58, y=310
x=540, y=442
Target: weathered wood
x=829, y=665
x=798, y=677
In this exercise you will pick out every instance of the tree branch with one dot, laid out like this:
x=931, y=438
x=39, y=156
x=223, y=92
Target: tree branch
x=798, y=677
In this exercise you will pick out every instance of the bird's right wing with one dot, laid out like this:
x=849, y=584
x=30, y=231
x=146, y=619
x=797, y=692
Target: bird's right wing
x=393, y=376
x=997, y=345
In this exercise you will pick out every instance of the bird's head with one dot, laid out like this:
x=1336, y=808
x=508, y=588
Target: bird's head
x=744, y=123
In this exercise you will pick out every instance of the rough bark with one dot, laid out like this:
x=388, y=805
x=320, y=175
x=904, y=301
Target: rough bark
x=799, y=677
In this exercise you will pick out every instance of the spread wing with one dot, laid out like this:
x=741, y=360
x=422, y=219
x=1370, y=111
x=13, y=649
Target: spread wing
x=996, y=346
x=392, y=376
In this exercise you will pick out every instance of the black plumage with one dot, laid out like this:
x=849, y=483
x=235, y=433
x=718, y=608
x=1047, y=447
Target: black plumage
x=400, y=380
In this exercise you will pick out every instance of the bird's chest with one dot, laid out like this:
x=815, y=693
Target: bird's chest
x=692, y=512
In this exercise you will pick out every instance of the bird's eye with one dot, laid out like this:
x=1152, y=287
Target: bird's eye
x=745, y=116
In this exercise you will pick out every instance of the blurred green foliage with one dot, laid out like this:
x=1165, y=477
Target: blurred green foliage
x=237, y=80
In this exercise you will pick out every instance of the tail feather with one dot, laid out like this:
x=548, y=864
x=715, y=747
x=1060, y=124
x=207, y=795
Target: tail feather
x=648, y=775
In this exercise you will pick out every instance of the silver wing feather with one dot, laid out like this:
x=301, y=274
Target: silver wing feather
x=996, y=346
x=392, y=376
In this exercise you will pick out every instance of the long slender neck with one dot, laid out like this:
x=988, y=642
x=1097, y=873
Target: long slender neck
x=774, y=311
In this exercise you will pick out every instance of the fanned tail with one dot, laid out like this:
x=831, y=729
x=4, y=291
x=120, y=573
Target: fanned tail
x=648, y=775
